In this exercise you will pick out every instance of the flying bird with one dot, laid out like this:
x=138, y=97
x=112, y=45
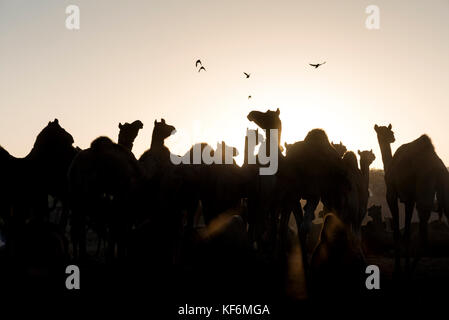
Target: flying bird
x=198, y=62
x=249, y=97
x=317, y=65
x=247, y=74
x=202, y=68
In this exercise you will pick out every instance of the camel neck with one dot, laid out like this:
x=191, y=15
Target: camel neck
x=364, y=168
x=127, y=144
x=385, y=149
x=269, y=138
x=157, y=141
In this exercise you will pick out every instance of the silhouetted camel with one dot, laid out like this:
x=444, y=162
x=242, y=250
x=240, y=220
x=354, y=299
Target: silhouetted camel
x=413, y=175
x=341, y=150
x=358, y=189
x=128, y=133
x=103, y=181
x=157, y=158
x=219, y=187
x=320, y=174
x=27, y=182
x=264, y=190
x=366, y=159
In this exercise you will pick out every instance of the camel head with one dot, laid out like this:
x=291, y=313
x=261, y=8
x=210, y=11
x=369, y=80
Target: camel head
x=128, y=132
x=340, y=148
x=266, y=120
x=367, y=156
x=162, y=130
x=385, y=134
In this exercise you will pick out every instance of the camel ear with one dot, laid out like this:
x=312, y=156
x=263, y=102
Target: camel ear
x=120, y=125
x=278, y=112
x=371, y=151
x=390, y=126
x=155, y=122
x=56, y=121
x=163, y=120
x=376, y=127
x=358, y=151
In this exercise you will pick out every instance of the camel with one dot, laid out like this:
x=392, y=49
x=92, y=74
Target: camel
x=39, y=174
x=319, y=173
x=366, y=159
x=219, y=186
x=26, y=184
x=264, y=190
x=103, y=182
x=413, y=175
x=157, y=157
x=128, y=133
x=322, y=174
x=360, y=193
x=359, y=184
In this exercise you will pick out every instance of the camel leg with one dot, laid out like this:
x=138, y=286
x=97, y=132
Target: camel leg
x=424, y=215
x=394, y=209
x=306, y=225
x=409, y=206
x=283, y=230
x=309, y=214
x=298, y=214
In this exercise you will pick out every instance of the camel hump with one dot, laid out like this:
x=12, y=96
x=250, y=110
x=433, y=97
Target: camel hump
x=420, y=146
x=317, y=136
x=424, y=143
x=101, y=142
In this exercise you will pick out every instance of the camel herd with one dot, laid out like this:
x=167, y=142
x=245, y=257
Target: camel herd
x=106, y=190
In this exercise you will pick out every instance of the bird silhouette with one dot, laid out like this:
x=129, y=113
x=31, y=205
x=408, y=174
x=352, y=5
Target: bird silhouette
x=249, y=97
x=247, y=74
x=202, y=68
x=317, y=65
x=198, y=62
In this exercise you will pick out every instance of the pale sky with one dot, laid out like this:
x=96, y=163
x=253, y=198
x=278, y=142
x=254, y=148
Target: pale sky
x=136, y=60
